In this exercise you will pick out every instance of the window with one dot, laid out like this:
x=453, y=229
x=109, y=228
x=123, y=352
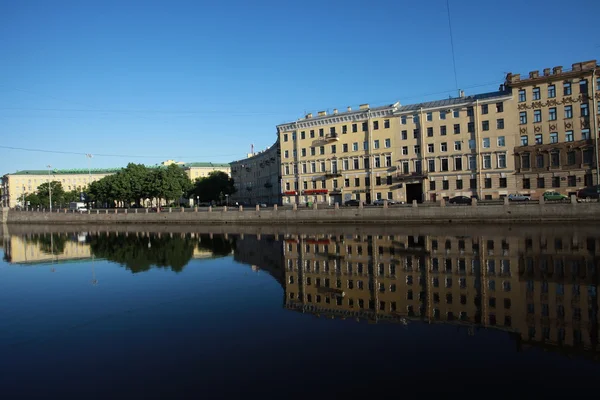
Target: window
x=365, y=126
x=585, y=111
x=524, y=140
x=444, y=164
x=539, y=161
x=386, y=123
x=501, y=160
x=443, y=130
x=403, y=120
x=486, y=143
x=404, y=135
x=312, y=133
x=523, y=117
x=321, y=132
x=556, y=181
x=355, y=146
x=416, y=133
x=487, y=161
x=442, y=114
x=526, y=183
x=525, y=161
x=445, y=185
x=333, y=149
x=345, y=147
x=405, y=168
x=459, y=184
x=499, y=107
x=456, y=129
x=431, y=185
x=485, y=125
x=537, y=116
x=539, y=139
x=366, y=163
x=346, y=164
x=356, y=163
x=501, y=141
x=429, y=116
x=285, y=137
x=376, y=144
x=457, y=145
x=430, y=148
x=471, y=144
x=587, y=158
x=388, y=161
x=554, y=137
x=470, y=111
x=417, y=149
x=344, y=129
x=473, y=183
x=568, y=111
x=551, y=91
x=286, y=154
x=472, y=162
x=567, y=89
x=458, y=163
x=522, y=96
x=484, y=108
x=585, y=134
x=444, y=147
x=571, y=180
x=471, y=127
x=568, y=136
x=354, y=128
x=365, y=145
x=487, y=182
x=431, y=165
x=429, y=131
x=321, y=150
x=415, y=118
x=502, y=183
x=377, y=163
x=536, y=93
x=583, y=86
x=555, y=158
x=500, y=123
x=303, y=152
x=404, y=150
x=388, y=143
x=456, y=113
x=303, y=135
x=356, y=181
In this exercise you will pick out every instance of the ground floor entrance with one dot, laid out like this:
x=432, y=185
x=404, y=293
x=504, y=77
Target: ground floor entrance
x=414, y=191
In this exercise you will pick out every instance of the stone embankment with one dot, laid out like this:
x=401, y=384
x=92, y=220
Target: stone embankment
x=411, y=214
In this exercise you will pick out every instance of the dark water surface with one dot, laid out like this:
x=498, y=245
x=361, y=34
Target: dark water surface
x=305, y=312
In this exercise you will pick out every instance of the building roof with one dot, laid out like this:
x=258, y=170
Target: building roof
x=205, y=165
x=452, y=101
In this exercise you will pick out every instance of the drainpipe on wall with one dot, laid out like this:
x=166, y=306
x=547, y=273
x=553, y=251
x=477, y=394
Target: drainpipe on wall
x=369, y=144
x=421, y=142
x=479, y=162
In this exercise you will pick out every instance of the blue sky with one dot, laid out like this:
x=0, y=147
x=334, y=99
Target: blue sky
x=145, y=81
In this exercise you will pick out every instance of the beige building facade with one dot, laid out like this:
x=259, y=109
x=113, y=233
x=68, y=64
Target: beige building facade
x=422, y=152
x=257, y=178
x=558, y=121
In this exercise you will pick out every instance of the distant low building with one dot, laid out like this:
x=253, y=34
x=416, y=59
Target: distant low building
x=257, y=178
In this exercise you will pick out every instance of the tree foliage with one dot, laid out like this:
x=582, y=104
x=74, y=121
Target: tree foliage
x=213, y=187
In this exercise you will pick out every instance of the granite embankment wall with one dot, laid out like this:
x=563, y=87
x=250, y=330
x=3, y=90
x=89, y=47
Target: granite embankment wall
x=507, y=213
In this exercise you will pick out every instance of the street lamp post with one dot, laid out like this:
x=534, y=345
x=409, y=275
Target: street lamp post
x=227, y=199
x=49, y=187
x=89, y=158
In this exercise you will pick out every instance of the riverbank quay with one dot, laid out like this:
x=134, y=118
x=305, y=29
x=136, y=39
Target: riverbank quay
x=439, y=213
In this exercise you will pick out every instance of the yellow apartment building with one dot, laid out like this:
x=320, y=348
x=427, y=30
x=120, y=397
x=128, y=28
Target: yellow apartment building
x=196, y=170
x=423, y=152
x=257, y=177
x=558, y=121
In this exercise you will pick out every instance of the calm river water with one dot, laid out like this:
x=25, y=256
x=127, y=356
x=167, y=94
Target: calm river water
x=323, y=312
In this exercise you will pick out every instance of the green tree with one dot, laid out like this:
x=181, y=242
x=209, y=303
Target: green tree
x=33, y=200
x=58, y=193
x=213, y=187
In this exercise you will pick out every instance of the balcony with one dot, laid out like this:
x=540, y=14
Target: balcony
x=332, y=174
x=400, y=177
x=332, y=137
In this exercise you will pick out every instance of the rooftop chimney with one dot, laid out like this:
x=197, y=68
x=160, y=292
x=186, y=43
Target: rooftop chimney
x=534, y=74
x=461, y=93
x=335, y=111
x=546, y=71
x=309, y=115
x=364, y=106
x=349, y=108
x=557, y=70
x=322, y=113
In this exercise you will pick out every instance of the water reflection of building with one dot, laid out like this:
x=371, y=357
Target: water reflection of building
x=261, y=252
x=476, y=281
x=44, y=248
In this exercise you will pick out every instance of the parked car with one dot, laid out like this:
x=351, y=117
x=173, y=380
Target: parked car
x=379, y=202
x=588, y=193
x=518, y=197
x=460, y=200
x=82, y=210
x=550, y=196
x=352, y=203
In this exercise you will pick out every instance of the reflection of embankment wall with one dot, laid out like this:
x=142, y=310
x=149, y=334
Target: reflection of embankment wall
x=262, y=251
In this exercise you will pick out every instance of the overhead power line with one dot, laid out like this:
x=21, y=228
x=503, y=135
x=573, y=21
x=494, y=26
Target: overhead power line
x=452, y=43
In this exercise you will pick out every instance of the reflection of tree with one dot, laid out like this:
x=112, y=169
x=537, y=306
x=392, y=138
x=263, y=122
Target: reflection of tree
x=139, y=254
x=217, y=244
x=51, y=243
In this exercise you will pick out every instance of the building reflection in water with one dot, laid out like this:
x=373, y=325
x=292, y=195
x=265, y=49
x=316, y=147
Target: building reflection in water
x=541, y=289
